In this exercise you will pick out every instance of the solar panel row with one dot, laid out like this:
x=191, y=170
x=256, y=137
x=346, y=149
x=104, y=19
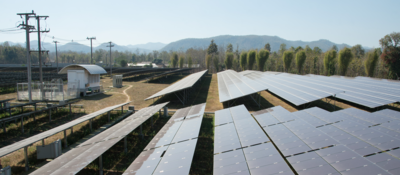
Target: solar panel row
x=29, y=141
x=78, y=158
x=171, y=150
x=232, y=85
x=241, y=147
x=298, y=89
x=356, y=139
x=185, y=83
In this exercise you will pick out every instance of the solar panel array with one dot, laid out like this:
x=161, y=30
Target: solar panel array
x=241, y=146
x=291, y=89
x=78, y=158
x=185, y=83
x=315, y=141
x=299, y=90
x=232, y=85
x=171, y=150
x=29, y=141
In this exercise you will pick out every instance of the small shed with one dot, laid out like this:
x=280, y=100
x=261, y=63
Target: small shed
x=88, y=76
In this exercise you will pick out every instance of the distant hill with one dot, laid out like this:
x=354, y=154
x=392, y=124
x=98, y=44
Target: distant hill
x=248, y=42
x=148, y=46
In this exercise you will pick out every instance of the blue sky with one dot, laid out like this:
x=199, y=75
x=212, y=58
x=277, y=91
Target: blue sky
x=138, y=22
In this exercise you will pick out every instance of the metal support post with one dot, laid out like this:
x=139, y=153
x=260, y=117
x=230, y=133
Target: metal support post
x=50, y=114
x=4, y=129
x=22, y=124
x=70, y=111
x=101, y=165
x=122, y=109
x=65, y=139
x=26, y=158
x=109, y=116
x=72, y=130
x=42, y=142
x=90, y=122
x=125, y=144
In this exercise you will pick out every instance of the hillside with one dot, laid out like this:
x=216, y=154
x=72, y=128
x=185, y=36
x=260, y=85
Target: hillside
x=248, y=42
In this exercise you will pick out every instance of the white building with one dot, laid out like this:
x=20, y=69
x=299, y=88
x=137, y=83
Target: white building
x=87, y=75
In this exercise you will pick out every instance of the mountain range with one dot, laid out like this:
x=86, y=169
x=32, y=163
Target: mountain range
x=244, y=42
x=250, y=42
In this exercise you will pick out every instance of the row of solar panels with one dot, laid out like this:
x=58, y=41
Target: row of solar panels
x=31, y=140
x=313, y=141
x=184, y=83
x=299, y=90
x=171, y=150
x=79, y=157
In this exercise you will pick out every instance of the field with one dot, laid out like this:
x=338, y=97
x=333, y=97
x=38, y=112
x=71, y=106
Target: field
x=115, y=161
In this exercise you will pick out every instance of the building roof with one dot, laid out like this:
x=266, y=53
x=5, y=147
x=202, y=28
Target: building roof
x=92, y=69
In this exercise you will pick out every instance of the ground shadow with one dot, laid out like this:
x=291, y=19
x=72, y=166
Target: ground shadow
x=97, y=97
x=168, y=79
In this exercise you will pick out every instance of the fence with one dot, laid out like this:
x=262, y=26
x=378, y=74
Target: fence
x=54, y=90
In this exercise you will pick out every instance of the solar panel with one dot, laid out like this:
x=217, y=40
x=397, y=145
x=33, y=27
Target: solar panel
x=232, y=162
x=173, y=146
x=244, y=137
x=29, y=141
x=389, y=113
x=232, y=85
x=74, y=161
x=185, y=83
x=357, y=144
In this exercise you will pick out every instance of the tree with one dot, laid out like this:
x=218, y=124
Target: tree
x=133, y=59
x=229, y=60
x=391, y=54
x=287, y=59
x=190, y=62
x=243, y=60
x=212, y=48
x=181, y=62
x=229, y=48
x=174, y=59
x=251, y=59
x=208, y=61
x=298, y=49
x=308, y=49
x=317, y=50
x=345, y=57
x=300, y=59
x=371, y=62
x=282, y=49
x=262, y=58
x=216, y=63
x=157, y=61
x=334, y=47
x=123, y=63
x=267, y=47
x=329, y=62
x=358, y=51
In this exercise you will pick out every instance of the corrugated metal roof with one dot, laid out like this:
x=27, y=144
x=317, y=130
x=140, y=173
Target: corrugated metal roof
x=92, y=69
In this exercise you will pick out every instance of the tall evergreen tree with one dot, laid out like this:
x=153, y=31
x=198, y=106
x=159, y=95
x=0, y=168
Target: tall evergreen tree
x=262, y=58
x=251, y=59
x=300, y=60
x=243, y=60
x=345, y=57
x=287, y=59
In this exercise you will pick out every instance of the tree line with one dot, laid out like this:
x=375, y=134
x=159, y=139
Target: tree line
x=383, y=62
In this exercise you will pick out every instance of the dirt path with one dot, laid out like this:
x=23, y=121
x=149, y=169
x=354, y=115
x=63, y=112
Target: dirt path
x=124, y=92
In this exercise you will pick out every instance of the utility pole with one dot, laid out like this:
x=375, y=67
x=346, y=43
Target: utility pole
x=91, y=49
x=40, y=52
x=28, y=56
x=55, y=42
x=110, y=58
